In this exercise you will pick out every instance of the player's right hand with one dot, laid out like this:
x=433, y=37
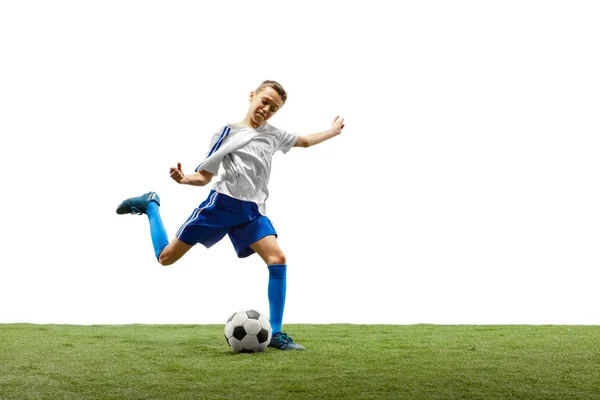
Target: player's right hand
x=177, y=174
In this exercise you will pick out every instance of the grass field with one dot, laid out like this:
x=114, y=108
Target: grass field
x=341, y=362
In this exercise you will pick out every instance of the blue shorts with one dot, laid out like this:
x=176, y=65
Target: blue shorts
x=219, y=215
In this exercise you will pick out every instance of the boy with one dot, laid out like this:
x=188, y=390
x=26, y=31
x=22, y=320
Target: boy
x=236, y=203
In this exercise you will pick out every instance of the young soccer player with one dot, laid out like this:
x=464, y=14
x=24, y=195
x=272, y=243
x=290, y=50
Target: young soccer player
x=236, y=204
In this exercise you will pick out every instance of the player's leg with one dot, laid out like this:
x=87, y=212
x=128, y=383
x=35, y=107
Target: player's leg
x=173, y=252
x=166, y=253
x=203, y=226
x=268, y=249
x=257, y=235
x=148, y=204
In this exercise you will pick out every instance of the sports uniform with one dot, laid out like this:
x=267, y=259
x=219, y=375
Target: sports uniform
x=236, y=205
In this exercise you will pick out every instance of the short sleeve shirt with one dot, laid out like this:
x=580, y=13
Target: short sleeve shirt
x=246, y=171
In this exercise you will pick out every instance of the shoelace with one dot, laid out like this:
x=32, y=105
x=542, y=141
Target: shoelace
x=286, y=338
x=135, y=210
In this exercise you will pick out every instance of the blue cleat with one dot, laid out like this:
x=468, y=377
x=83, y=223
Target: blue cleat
x=137, y=205
x=281, y=341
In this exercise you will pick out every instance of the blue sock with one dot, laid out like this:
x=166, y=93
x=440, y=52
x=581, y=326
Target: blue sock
x=157, y=228
x=277, y=286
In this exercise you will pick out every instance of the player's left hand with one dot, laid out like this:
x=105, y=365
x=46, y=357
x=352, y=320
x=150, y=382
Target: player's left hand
x=338, y=124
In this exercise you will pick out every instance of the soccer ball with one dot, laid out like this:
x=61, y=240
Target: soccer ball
x=248, y=331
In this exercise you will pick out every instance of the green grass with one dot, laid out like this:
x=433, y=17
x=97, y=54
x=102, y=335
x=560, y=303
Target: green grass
x=341, y=362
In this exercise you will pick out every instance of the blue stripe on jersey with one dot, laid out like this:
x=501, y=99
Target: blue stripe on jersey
x=218, y=143
x=215, y=148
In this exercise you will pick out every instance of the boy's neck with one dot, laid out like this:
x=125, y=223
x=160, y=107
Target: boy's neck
x=248, y=123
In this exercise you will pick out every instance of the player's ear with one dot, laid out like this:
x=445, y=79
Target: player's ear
x=251, y=95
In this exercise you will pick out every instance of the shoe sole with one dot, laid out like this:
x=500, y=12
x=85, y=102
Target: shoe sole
x=126, y=208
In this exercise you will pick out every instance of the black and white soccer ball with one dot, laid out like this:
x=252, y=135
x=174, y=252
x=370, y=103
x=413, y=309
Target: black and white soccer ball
x=248, y=331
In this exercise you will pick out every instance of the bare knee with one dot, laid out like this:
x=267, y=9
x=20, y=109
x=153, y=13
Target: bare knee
x=276, y=258
x=165, y=258
x=173, y=252
x=269, y=250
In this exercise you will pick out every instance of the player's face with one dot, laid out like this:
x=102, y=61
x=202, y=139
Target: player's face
x=264, y=104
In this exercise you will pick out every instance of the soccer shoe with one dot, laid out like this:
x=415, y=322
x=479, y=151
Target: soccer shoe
x=137, y=205
x=282, y=341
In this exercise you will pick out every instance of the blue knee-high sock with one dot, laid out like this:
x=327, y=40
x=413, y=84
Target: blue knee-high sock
x=277, y=286
x=157, y=228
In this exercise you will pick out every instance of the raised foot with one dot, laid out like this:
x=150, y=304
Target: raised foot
x=137, y=205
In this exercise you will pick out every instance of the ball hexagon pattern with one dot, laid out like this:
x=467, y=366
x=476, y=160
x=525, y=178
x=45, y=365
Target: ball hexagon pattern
x=248, y=331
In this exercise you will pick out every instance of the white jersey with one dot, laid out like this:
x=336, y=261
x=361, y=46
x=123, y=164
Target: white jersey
x=246, y=170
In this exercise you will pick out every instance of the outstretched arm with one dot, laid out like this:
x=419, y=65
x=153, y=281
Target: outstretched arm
x=199, y=178
x=315, y=138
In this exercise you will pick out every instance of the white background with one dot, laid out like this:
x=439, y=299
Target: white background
x=464, y=188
